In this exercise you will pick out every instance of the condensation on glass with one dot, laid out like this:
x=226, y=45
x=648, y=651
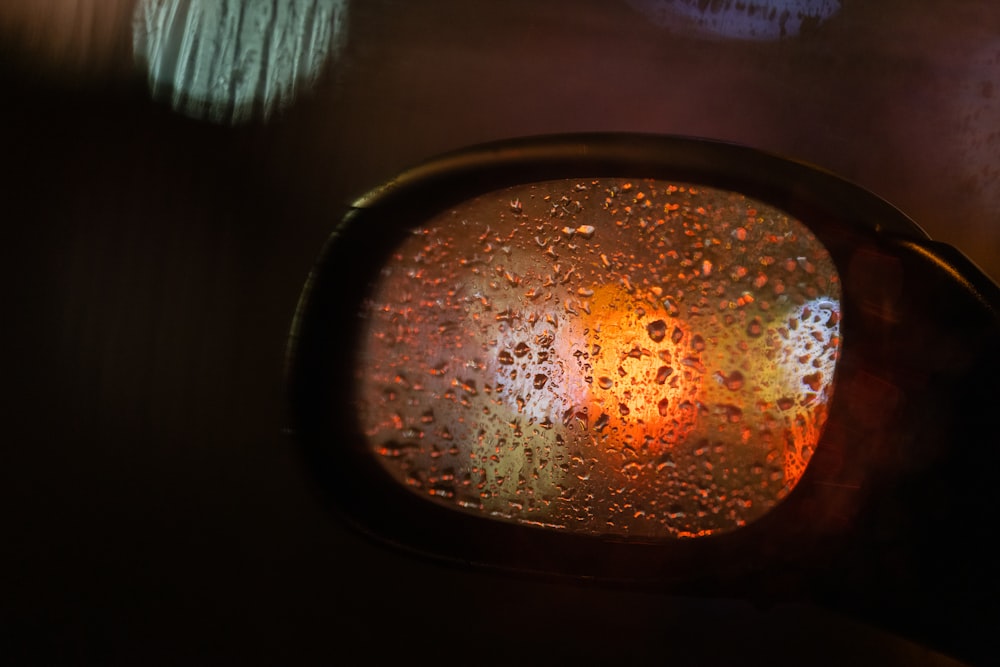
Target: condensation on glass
x=634, y=358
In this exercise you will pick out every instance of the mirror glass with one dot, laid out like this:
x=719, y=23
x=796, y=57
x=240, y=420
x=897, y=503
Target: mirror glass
x=635, y=358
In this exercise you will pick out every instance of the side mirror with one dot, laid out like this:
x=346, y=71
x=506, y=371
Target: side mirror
x=665, y=362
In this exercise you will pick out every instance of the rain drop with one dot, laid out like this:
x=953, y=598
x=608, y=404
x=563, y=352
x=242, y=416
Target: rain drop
x=814, y=381
x=735, y=381
x=657, y=330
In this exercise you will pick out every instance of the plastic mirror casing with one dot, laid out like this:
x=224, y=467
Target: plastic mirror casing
x=891, y=521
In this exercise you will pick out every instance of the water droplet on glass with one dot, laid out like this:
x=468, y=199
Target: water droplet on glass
x=604, y=382
x=814, y=381
x=521, y=350
x=657, y=330
x=540, y=380
x=545, y=339
x=602, y=421
x=734, y=381
x=733, y=413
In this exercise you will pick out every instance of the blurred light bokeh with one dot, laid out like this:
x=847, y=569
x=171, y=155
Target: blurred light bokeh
x=232, y=60
x=739, y=19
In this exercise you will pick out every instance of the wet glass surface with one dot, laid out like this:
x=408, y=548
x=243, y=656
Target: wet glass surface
x=635, y=358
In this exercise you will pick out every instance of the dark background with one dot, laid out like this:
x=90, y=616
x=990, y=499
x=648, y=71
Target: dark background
x=153, y=509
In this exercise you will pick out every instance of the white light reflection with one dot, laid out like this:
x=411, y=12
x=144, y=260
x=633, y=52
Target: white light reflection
x=739, y=19
x=234, y=60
